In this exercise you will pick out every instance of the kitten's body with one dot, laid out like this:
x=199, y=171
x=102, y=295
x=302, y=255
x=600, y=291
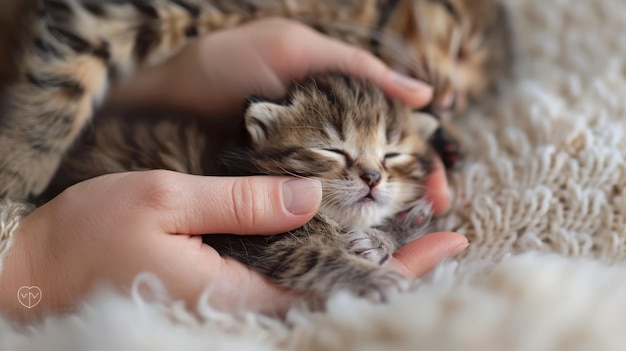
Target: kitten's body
x=75, y=48
x=370, y=154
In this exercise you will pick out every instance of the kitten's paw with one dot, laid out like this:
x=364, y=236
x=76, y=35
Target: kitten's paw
x=409, y=225
x=380, y=285
x=417, y=217
x=448, y=149
x=371, y=244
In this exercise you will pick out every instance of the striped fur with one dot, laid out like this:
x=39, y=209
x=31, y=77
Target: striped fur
x=75, y=48
x=370, y=154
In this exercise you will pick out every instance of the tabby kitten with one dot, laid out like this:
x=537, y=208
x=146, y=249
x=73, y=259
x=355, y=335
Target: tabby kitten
x=73, y=50
x=370, y=154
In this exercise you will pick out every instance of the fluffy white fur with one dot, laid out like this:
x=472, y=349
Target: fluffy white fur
x=542, y=200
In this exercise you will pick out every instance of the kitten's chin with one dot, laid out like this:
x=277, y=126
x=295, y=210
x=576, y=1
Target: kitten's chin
x=365, y=213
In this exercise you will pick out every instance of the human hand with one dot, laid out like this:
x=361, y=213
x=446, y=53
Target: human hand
x=76, y=230
x=214, y=74
x=113, y=227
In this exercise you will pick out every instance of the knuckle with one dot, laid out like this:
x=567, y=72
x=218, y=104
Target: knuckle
x=287, y=37
x=160, y=190
x=360, y=59
x=249, y=203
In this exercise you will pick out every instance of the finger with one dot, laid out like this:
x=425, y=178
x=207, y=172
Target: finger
x=228, y=284
x=244, y=288
x=187, y=204
x=437, y=190
x=360, y=63
x=422, y=255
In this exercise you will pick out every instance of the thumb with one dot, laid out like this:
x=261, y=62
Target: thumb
x=238, y=205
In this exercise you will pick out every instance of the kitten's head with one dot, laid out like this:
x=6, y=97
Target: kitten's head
x=463, y=47
x=370, y=154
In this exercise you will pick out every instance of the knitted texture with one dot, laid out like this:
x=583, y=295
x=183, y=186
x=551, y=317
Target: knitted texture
x=10, y=215
x=541, y=200
x=546, y=169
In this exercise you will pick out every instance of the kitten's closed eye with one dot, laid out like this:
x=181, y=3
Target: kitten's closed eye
x=349, y=160
x=391, y=155
x=396, y=158
x=338, y=152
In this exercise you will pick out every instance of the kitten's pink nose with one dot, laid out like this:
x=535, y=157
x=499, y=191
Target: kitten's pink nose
x=371, y=177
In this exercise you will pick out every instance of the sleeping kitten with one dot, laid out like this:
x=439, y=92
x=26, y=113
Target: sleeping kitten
x=72, y=50
x=370, y=154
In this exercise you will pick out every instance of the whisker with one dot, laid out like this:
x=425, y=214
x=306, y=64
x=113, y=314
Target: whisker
x=291, y=173
x=306, y=127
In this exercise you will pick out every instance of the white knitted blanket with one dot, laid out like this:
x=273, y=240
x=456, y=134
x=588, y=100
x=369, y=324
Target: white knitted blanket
x=541, y=200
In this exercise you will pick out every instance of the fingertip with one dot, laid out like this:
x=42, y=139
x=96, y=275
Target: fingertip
x=422, y=255
x=412, y=92
x=444, y=243
x=454, y=243
x=301, y=196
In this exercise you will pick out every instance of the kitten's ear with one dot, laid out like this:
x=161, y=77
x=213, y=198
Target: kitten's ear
x=425, y=123
x=260, y=118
